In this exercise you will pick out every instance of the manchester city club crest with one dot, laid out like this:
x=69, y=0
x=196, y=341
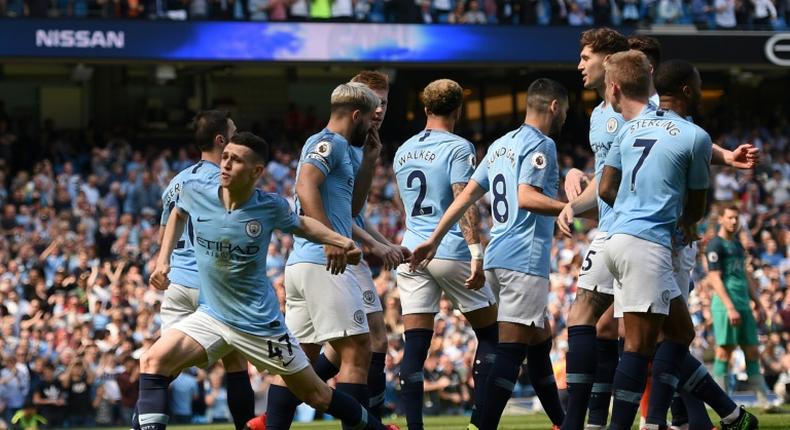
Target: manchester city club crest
x=368, y=297
x=359, y=317
x=253, y=228
x=611, y=125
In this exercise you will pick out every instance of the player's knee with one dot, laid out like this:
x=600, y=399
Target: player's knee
x=151, y=362
x=319, y=398
x=722, y=354
x=752, y=353
x=378, y=343
x=234, y=363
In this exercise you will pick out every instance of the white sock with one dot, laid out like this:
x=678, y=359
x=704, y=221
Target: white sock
x=729, y=419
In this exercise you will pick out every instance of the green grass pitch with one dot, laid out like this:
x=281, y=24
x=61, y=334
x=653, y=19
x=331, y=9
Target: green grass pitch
x=510, y=422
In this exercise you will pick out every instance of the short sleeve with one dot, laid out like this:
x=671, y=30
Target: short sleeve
x=324, y=154
x=462, y=164
x=285, y=218
x=614, y=158
x=185, y=198
x=481, y=175
x=536, y=166
x=713, y=253
x=169, y=198
x=699, y=168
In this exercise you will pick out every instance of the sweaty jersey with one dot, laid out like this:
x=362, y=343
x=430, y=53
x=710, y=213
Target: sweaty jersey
x=520, y=239
x=329, y=152
x=183, y=267
x=604, y=125
x=426, y=167
x=660, y=156
x=231, y=248
x=729, y=258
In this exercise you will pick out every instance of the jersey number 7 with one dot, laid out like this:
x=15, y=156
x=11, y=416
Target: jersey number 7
x=647, y=146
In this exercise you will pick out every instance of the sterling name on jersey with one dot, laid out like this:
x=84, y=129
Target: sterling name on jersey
x=329, y=152
x=520, y=239
x=426, y=166
x=660, y=156
x=231, y=248
x=183, y=267
x=604, y=125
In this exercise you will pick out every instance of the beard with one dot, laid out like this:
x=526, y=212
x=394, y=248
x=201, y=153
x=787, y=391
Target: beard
x=359, y=135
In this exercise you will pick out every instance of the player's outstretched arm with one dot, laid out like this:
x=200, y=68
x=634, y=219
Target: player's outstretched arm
x=746, y=156
x=583, y=204
x=389, y=254
x=531, y=198
x=469, y=228
x=574, y=183
x=610, y=183
x=425, y=251
x=173, y=231
x=317, y=232
x=310, y=178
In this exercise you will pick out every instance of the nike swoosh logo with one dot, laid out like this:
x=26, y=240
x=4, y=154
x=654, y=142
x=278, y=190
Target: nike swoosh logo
x=203, y=219
x=285, y=364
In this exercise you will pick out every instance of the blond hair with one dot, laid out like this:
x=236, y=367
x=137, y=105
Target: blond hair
x=630, y=70
x=442, y=97
x=354, y=96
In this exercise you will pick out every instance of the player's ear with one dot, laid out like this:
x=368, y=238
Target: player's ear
x=258, y=170
x=686, y=91
x=425, y=109
x=355, y=114
x=554, y=106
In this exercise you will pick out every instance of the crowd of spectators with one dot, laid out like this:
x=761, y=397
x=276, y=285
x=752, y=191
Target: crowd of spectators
x=704, y=14
x=78, y=233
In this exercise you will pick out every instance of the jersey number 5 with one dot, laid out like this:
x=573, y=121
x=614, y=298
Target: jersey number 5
x=418, y=208
x=647, y=146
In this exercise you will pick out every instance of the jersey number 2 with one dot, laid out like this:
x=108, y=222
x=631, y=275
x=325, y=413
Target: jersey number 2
x=418, y=208
x=647, y=146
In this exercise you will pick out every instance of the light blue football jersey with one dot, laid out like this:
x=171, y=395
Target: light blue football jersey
x=660, y=156
x=426, y=166
x=356, y=162
x=330, y=153
x=520, y=239
x=604, y=125
x=183, y=267
x=231, y=248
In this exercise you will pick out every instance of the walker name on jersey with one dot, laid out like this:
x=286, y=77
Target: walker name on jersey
x=502, y=152
x=422, y=154
x=669, y=125
x=227, y=250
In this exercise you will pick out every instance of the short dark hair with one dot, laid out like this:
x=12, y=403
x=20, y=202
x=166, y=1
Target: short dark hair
x=376, y=80
x=729, y=207
x=542, y=91
x=255, y=143
x=604, y=40
x=650, y=46
x=442, y=97
x=208, y=124
x=672, y=75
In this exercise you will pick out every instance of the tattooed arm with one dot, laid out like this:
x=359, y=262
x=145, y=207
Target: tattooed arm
x=470, y=220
